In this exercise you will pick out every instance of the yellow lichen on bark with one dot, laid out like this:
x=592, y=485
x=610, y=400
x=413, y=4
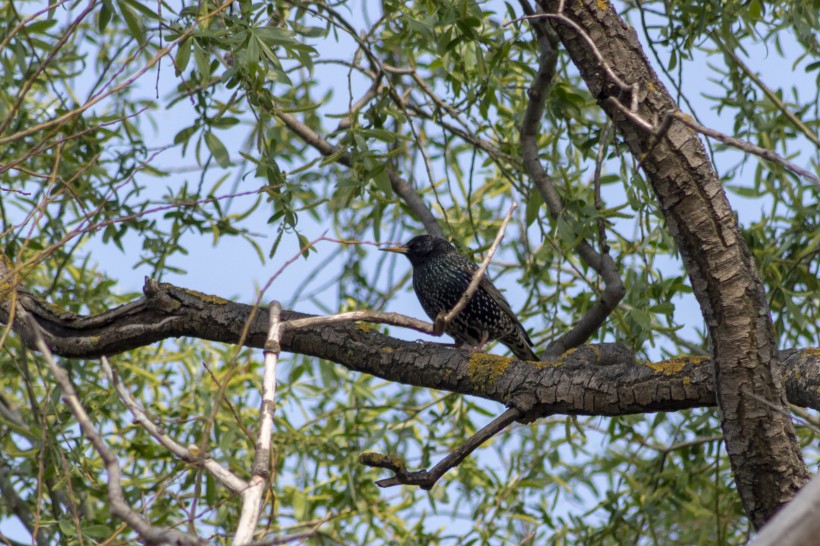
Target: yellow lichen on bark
x=381, y=460
x=673, y=366
x=485, y=368
x=207, y=298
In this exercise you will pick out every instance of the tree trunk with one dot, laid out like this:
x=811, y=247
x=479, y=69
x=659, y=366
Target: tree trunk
x=760, y=439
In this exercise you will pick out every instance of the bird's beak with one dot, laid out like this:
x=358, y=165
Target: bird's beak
x=402, y=249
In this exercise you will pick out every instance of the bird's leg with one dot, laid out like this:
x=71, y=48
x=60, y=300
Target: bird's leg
x=470, y=350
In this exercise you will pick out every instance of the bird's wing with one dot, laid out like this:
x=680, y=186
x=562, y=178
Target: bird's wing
x=487, y=285
x=496, y=294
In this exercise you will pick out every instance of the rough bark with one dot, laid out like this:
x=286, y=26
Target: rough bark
x=600, y=379
x=798, y=523
x=760, y=439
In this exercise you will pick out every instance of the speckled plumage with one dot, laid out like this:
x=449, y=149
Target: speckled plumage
x=440, y=277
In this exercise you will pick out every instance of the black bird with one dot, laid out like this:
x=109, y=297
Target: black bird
x=441, y=276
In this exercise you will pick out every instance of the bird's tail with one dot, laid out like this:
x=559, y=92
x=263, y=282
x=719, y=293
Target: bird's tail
x=521, y=346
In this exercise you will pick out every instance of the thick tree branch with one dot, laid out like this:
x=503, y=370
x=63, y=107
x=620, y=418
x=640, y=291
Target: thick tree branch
x=761, y=442
x=591, y=380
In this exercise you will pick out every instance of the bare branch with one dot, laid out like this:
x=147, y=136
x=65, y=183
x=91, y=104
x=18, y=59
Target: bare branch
x=365, y=315
x=371, y=93
x=426, y=479
x=252, y=496
x=748, y=147
x=662, y=129
x=222, y=474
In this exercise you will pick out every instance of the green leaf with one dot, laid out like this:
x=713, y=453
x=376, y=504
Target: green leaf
x=40, y=27
x=273, y=36
x=106, y=12
x=565, y=231
x=218, y=150
x=133, y=22
x=304, y=245
x=382, y=180
x=97, y=531
x=143, y=9
x=673, y=60
x=203, y=62
x=642, y=318
x=184, y=135
x=183, y=55
x=534, y=203
x=225, y=122
x=252, y=51
x=754, y=10
x=67, y=527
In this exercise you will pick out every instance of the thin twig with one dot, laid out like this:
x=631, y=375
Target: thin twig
x=371, y=93
x=596, y=184
x=633, y=117
x=781, y=410
x=26, y=21
x=743, y=145
x=366, y=315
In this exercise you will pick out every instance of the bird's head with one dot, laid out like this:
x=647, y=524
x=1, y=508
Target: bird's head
x=422, y=248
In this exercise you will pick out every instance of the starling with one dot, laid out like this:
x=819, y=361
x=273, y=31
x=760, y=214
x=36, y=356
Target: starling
x=441, y=276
